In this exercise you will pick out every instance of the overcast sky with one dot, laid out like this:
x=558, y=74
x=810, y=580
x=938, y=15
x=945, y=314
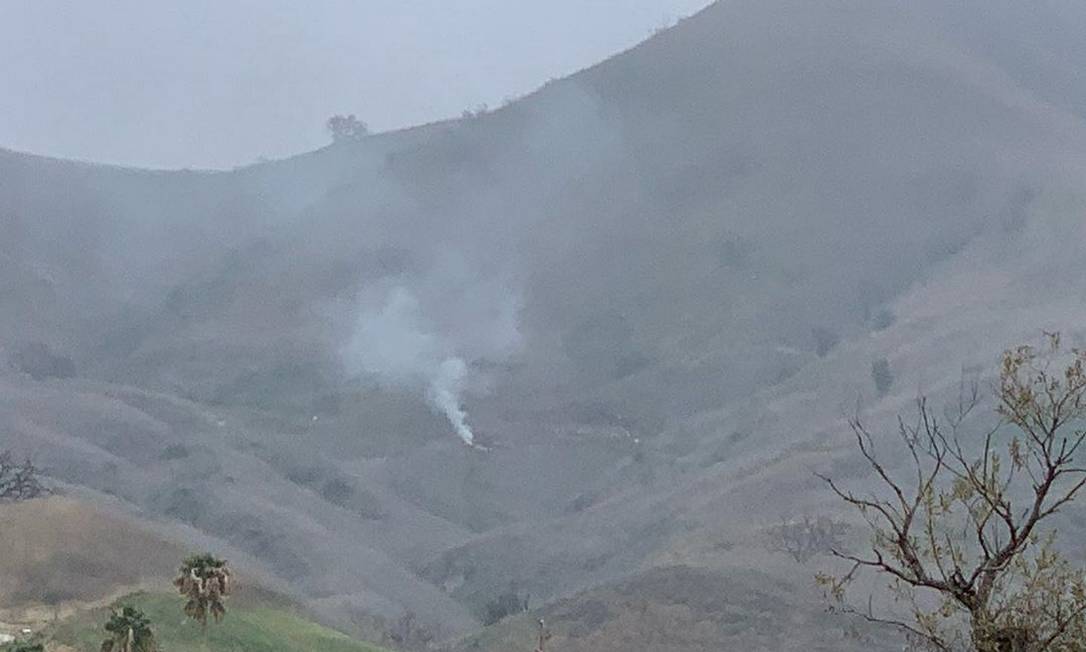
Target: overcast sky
x=217, y=83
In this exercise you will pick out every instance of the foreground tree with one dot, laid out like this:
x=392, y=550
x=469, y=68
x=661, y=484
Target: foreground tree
x=964, y=541
x=129, y=631
x=205, y=581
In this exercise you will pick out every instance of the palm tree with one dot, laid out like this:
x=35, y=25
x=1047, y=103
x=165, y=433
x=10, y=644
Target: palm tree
x=205, y=581
x=129, y=631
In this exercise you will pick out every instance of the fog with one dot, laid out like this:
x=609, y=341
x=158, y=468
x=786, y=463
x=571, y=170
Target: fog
x=649, y=292
x=210, y=84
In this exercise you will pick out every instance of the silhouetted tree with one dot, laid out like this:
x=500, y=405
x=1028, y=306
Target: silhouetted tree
x=19, y=481
x=962, y=541
x=205, y=581
x=346, y=127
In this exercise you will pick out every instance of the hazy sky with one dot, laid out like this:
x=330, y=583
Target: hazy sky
x=216, y=83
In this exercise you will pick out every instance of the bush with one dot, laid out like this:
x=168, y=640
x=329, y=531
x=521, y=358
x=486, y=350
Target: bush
x=503, y=606
x=337, y=491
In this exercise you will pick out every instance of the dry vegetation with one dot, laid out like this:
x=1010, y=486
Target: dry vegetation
x=59, y=550
x=807, y=538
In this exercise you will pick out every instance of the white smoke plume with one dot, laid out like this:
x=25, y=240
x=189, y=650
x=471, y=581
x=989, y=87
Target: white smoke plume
x=444, y=393
x=421, y=333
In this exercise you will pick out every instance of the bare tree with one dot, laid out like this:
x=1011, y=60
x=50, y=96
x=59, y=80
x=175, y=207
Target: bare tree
x=962, y=540
x=19, y=481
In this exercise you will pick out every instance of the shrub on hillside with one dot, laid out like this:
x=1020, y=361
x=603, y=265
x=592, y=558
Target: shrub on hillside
x=337, y=491
x=806, y=539
x=503, y=606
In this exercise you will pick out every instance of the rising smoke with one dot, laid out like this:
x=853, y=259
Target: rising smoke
x=422, y=333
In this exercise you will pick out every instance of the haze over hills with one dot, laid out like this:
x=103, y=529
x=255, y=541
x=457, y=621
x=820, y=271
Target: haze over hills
x=667, y=278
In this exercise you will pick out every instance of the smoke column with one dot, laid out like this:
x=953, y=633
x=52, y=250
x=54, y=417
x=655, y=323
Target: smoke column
x=444, y=393
x=393, y=340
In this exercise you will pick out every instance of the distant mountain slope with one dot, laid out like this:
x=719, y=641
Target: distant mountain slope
x=708, y=240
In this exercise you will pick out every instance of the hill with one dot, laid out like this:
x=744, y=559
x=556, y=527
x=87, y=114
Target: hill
x=249, y=625
x=61, y=552
x=68, y=561
x=683, y=609
x=668, y=277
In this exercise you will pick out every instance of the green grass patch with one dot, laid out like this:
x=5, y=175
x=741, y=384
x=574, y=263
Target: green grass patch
x=247, y=627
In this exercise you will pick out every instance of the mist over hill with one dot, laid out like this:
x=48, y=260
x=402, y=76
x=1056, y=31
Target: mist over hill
x=653, y=288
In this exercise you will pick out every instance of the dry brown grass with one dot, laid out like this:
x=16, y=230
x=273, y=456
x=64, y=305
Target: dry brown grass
x=57, y=551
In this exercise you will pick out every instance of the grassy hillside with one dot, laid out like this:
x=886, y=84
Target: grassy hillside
x=65, y=559
x=249, y=627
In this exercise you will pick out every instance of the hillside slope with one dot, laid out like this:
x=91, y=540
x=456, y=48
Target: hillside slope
x=669, y=276
x=60, y=551
x=68, y=560
x=249, y=626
